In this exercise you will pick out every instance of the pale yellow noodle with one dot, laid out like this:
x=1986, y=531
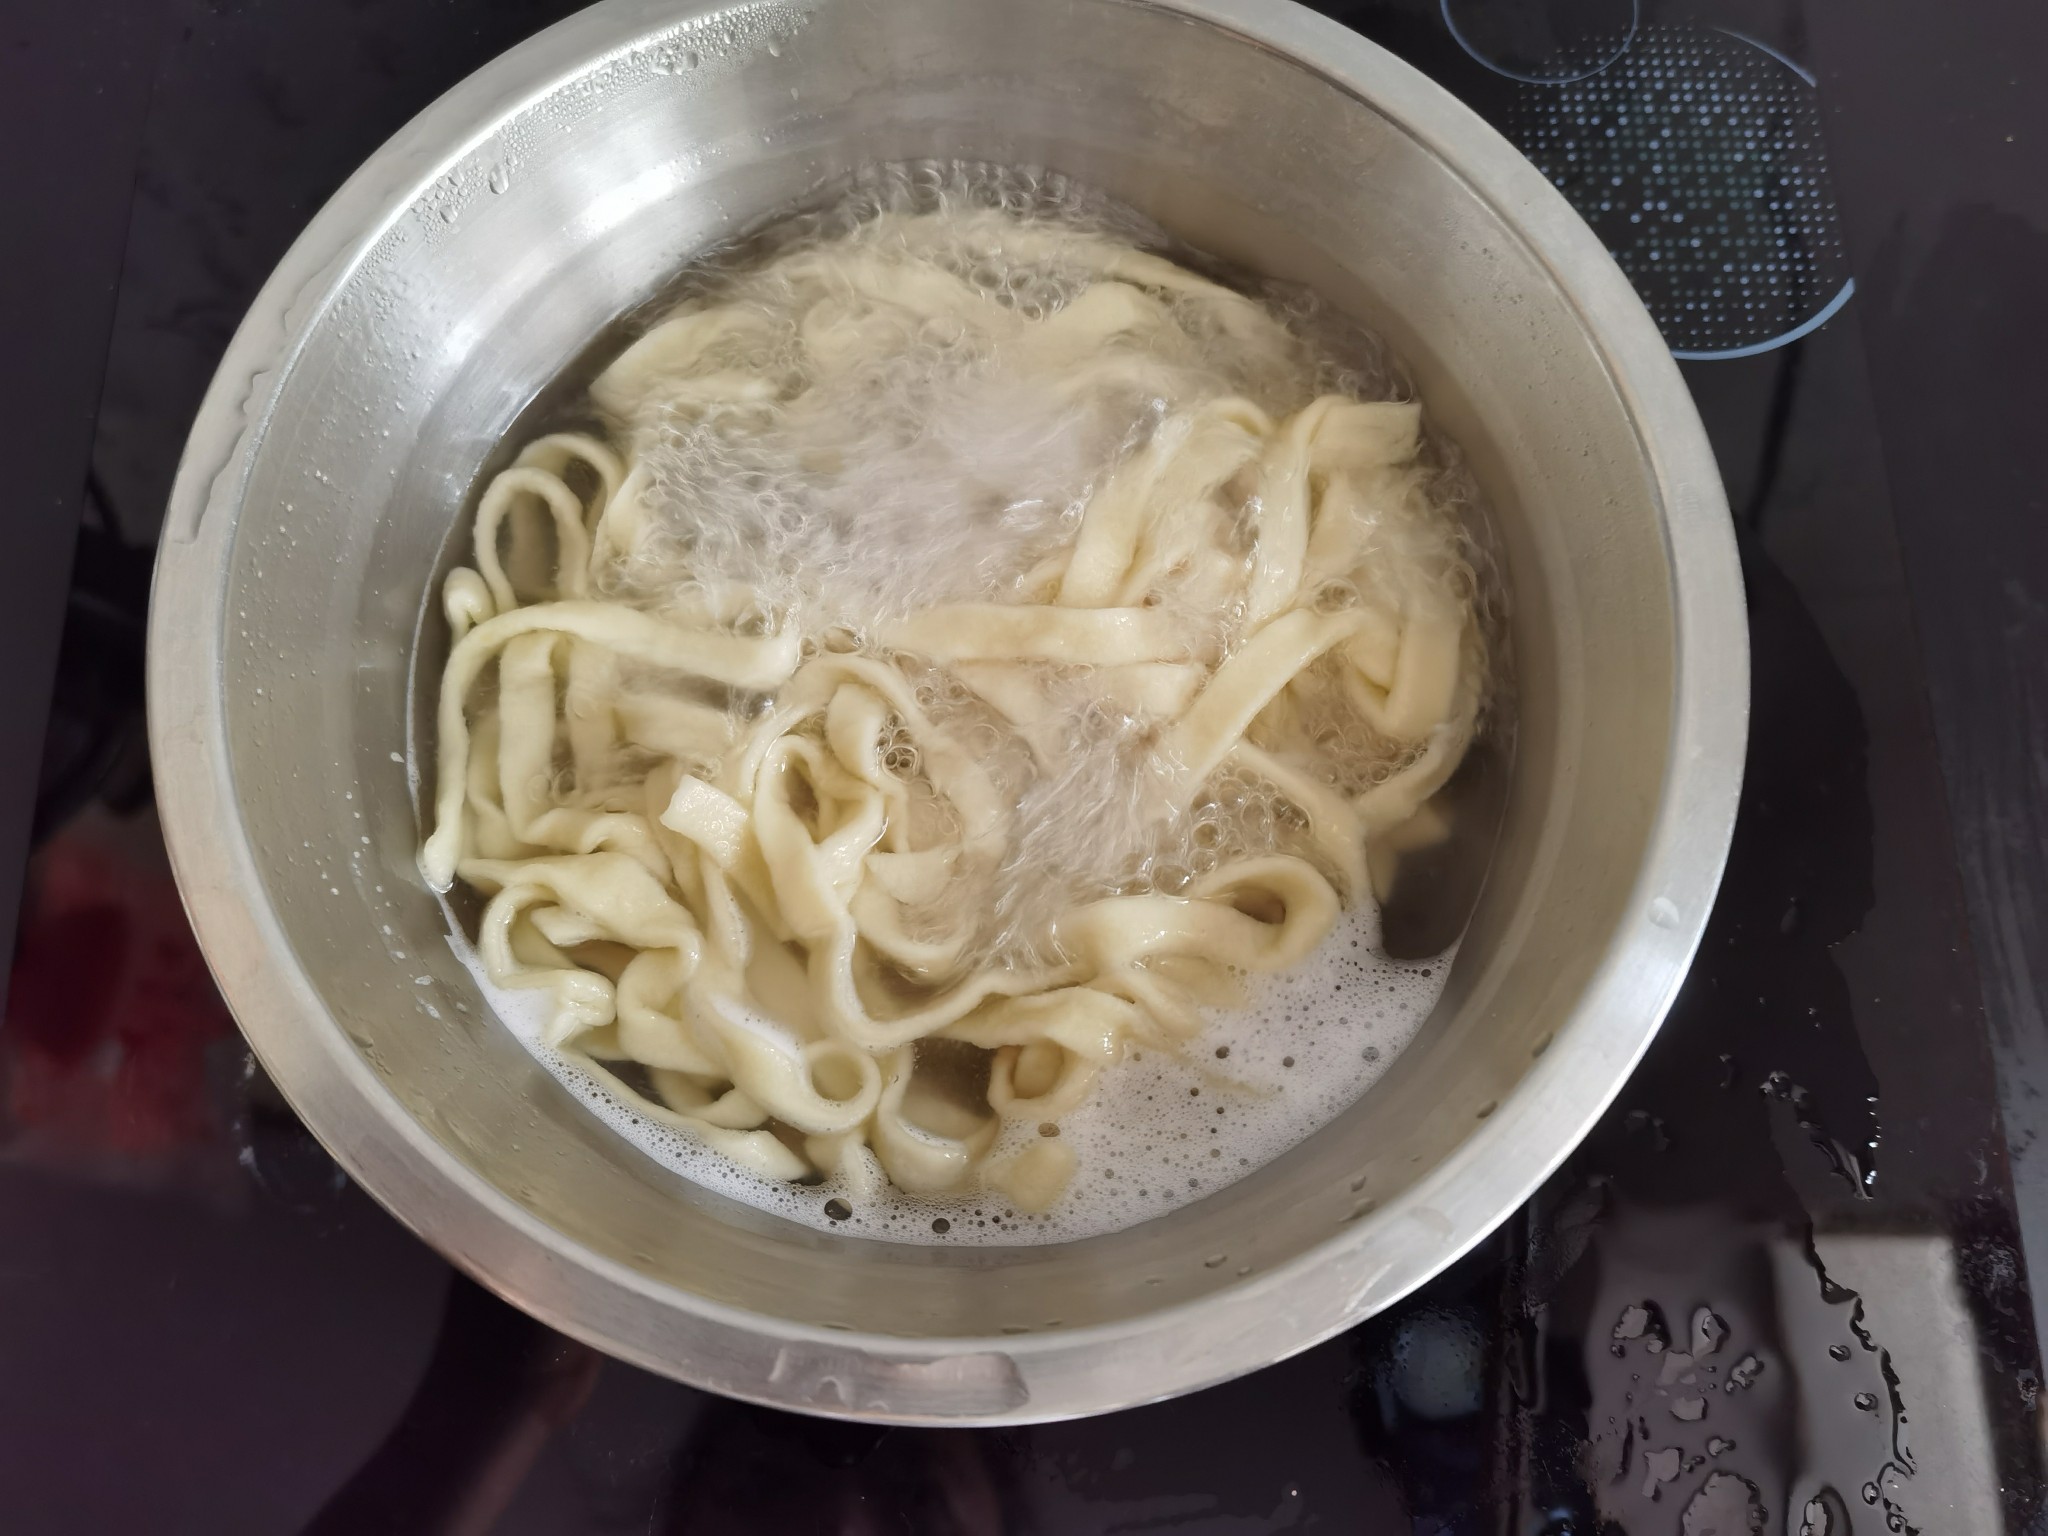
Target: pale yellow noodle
x=793, y=850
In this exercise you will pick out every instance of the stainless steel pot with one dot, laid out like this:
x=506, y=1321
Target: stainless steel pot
x=482, y=248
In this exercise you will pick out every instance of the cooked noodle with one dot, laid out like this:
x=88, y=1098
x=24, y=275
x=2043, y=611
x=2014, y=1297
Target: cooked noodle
x=968, y=628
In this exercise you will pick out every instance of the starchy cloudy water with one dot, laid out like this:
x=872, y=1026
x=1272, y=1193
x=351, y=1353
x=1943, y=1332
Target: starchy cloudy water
x=1162, y=1130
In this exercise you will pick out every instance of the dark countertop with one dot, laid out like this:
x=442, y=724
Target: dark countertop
x=1785, y=1275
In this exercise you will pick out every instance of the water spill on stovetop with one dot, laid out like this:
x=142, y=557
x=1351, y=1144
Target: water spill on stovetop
x=1737, y=1316
x=1773, y=1391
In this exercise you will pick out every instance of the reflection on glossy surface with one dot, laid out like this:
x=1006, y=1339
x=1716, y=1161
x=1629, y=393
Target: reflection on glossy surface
x=1780, y=1278
x=1386, y=1426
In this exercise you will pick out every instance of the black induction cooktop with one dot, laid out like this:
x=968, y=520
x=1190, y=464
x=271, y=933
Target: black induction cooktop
x=1781, y=1287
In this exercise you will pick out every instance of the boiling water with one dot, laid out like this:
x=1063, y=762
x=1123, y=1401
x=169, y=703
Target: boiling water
x=1160, y=1131
x=953, y=476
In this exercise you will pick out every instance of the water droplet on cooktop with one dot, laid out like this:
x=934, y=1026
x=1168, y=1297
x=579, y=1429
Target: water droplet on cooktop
x=1709, y=1331
x=1725, y=1504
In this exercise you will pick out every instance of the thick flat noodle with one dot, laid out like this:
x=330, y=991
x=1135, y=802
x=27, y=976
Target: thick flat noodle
x=1247, y=683
x=526, y=726
x=919, y=1157
x=765, y=862
x=733, y=659
x=1257, y=915
x=1079, y=636
x=822, y=1088
x=607, y=895
x=758, y=1151
x=573, y=542
x=1334, y=824
x=651, y=1027
x=1175, y=474
x=676, y=355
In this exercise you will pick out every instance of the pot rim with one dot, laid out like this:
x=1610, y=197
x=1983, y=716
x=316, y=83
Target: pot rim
x=1361, y=1267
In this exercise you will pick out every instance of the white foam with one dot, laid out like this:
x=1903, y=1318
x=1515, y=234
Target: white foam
x=1159, y=1131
